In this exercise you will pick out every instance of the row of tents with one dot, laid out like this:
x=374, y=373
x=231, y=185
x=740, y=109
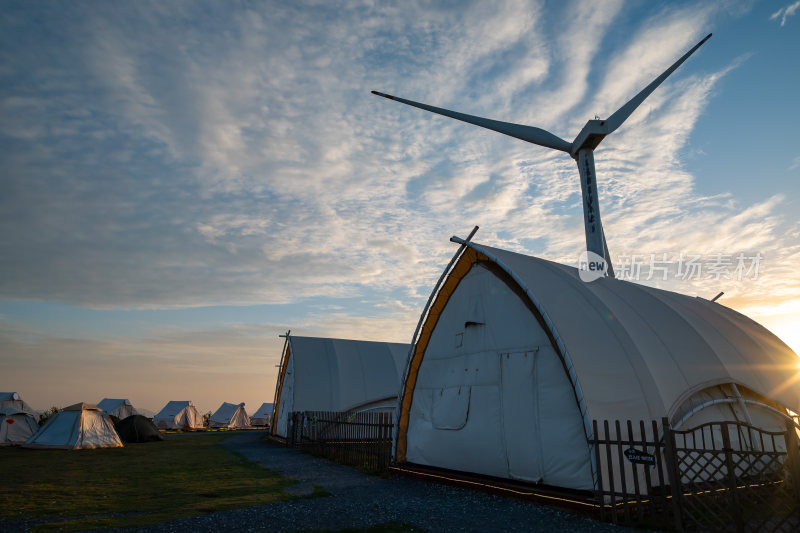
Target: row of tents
x=78, y=426
x=184, y=415
x=110, y=422
x=514, y=357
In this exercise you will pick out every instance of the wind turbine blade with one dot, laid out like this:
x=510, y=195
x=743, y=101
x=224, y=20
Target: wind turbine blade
x=615, y=121
x=526, y=133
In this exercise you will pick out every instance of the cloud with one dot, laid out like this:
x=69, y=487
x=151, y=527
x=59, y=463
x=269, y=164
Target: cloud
x=236, y=157
x=640, y=62
x=785, y=12
x=174, y=156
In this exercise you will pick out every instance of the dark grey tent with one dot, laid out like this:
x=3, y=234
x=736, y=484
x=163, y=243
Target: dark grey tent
x=137, y=428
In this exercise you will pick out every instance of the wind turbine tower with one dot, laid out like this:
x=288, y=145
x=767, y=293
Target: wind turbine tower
x=581, y=149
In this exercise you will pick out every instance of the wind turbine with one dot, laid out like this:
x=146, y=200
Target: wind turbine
x=581, y=149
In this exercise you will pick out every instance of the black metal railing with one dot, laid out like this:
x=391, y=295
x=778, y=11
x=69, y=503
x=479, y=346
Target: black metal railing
x=361, y=439
x=720, y=476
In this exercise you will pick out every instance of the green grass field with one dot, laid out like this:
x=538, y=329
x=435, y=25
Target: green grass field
x=182, y=476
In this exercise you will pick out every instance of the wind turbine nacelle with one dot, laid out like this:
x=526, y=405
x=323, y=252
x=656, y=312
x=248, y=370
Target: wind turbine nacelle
x=590, y=136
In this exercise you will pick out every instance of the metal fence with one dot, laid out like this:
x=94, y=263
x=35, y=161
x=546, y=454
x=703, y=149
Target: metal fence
x=720, y=476
x=361, y=439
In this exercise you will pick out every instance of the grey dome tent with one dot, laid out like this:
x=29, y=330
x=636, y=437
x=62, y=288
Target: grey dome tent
x=137, y=428
x=13, y=400
x=118, y=407
x=77, y=427
x=515, y=356
x=16, y=426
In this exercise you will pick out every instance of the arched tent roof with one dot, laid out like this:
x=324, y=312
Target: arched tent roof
x=324, y=374
x=630, y=351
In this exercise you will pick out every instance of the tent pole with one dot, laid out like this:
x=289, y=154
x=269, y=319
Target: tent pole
x=422, y=318
x=285, y=336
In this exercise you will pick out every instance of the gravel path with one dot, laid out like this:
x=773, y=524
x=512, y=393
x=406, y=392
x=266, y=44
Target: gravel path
x=359, y=500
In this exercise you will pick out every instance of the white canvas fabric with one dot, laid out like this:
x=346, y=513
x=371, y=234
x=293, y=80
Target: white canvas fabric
x=77, y=427
x=325, y=374
x=229, y=415
x=178, y=415
x=639, y=350
x=119, y=407
x=262, y=415
x=16, y=426
x=14, y=401
x=525, y=355
x=491, y=395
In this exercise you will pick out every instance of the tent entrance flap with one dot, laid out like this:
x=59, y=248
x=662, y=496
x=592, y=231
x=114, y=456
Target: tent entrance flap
x=520, y=412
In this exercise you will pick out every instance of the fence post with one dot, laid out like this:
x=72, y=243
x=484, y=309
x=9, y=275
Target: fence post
x=626, y=512
x=671, y=458
x=599, y=494
x=734, y=497
x=610, y=463
x=793, y=457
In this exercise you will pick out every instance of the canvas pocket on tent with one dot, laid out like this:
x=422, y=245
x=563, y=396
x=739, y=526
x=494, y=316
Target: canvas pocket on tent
x=450, y=407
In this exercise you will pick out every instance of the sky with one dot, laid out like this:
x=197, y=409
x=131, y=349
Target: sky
x=181, y=182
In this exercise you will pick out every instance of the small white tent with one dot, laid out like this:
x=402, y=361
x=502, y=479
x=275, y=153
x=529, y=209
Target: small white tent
x=13, y=400
x=178, y=415
x=119, y=407
x=229, y=415
x=262, y=416
x=319, y=374
x=16, y=426
x=516, y=356
x=77, y=427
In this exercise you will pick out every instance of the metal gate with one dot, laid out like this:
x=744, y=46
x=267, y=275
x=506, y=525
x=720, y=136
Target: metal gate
x=717, y=477
x=735, y=477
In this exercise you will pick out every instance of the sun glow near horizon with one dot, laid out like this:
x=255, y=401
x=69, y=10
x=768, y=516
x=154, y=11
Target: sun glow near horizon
x=786, y=328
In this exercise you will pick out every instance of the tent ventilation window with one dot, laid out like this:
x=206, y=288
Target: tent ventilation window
x=476, y=315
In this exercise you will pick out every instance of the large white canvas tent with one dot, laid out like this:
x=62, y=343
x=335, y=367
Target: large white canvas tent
x=321, y=374
x=77, y=427
x=16, y=426
x=262, y=416
x=229, y=415
x=178, y=415
x=13, y=400
x=119, y=407
x=515, y=357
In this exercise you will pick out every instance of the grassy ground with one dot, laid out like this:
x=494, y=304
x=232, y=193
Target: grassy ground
x=146, y=483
